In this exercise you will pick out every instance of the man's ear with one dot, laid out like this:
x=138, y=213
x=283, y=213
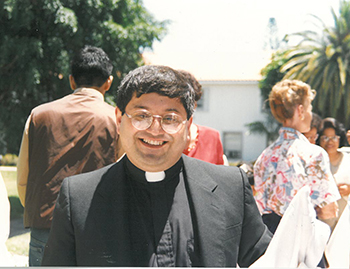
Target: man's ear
x=107, y=85
x=118, y=115
x=72, y=83
x=189, y=124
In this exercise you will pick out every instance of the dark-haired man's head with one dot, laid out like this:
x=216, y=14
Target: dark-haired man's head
x=91, y=67
x=154, y=115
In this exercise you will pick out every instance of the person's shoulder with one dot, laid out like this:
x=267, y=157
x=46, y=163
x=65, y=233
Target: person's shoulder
x=48, y=106
x=209, y=168
x=312, y=148
x=225, y=179
x=105, y=108
x=206, y=129
x=307, y=150
x=346, y=158
x=70, y=105
x=52, y=109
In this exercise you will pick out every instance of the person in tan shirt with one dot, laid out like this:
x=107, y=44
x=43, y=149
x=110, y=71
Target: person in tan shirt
x=68, y=136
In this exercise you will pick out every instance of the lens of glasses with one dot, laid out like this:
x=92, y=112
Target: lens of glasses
x=142, y=120
x=312, y=137
x=327, y=138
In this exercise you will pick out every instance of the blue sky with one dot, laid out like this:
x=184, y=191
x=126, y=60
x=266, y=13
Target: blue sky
x=224, y=39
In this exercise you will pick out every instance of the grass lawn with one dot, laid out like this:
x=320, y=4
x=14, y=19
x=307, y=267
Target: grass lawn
x=10, y=179
x=10, y=182
x=17, y=245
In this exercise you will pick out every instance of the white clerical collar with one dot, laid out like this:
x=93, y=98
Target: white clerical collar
x=155, y=176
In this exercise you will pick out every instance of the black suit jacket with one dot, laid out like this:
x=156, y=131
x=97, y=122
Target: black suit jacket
x=91, y=223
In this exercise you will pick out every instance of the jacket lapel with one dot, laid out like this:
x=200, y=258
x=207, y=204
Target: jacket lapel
x=209, y=213
x=113, y=218
x=123, y=228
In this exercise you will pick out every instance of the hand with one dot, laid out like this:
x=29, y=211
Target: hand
x=328, y=211
x=344, y=189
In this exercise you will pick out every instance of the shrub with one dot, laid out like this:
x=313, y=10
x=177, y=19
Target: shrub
x=9, y=160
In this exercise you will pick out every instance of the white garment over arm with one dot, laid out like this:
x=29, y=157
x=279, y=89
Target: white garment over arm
x=300, y=238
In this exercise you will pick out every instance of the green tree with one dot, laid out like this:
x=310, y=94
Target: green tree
x=271, y=74
x=321, y=59
x=38, y=39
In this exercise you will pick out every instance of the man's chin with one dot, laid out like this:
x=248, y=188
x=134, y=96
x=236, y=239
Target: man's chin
x=152, y=163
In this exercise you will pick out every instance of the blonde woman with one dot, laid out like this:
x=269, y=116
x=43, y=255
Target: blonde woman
x=292, y=162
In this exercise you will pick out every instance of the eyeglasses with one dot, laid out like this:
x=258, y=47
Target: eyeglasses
x=325, y=138
x=312, y=137
x=142, y=120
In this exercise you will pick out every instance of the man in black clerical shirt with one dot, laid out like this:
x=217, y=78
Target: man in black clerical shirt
x=156, y=207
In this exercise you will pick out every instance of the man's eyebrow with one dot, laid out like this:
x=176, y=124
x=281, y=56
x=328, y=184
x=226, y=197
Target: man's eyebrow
x=173, y=110
x=139, y=106
x=147, y=108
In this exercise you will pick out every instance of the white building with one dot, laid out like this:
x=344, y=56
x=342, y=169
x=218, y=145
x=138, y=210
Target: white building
x=227, y=103
x=227, y=106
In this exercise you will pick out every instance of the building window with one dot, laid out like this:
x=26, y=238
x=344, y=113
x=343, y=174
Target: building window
x=202, y=104
x=233, y=145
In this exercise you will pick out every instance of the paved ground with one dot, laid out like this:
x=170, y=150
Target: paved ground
x=8, y=168
x=17, y=228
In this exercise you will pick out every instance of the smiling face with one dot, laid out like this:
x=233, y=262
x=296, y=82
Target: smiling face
x=331, y=146
x=153, y=149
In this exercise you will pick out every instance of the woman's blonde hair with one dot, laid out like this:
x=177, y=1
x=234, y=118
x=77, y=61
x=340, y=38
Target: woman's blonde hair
x=286, y=95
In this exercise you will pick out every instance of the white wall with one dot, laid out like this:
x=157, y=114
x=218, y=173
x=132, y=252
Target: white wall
x=228, y=107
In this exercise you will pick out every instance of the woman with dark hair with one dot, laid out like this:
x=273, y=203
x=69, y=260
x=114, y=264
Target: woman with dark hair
x=332, y=137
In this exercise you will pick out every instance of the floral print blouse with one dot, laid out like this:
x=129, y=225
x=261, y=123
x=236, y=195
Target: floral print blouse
x=287, y=165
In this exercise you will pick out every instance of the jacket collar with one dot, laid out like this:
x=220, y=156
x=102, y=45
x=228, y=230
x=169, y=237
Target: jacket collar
x=90, y=92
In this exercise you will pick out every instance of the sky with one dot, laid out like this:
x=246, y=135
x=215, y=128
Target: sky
x=224, y=39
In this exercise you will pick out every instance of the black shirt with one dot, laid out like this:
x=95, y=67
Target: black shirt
x=161, y=226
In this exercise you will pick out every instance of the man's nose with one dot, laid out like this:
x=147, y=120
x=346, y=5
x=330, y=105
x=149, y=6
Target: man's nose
x=156, y=126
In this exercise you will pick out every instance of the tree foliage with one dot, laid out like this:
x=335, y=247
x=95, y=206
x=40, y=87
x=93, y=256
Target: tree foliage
x=38, y=39
x=271, y=74
x=321, y=59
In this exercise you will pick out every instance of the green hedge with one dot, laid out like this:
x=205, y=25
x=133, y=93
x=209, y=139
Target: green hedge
x=9, y=160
